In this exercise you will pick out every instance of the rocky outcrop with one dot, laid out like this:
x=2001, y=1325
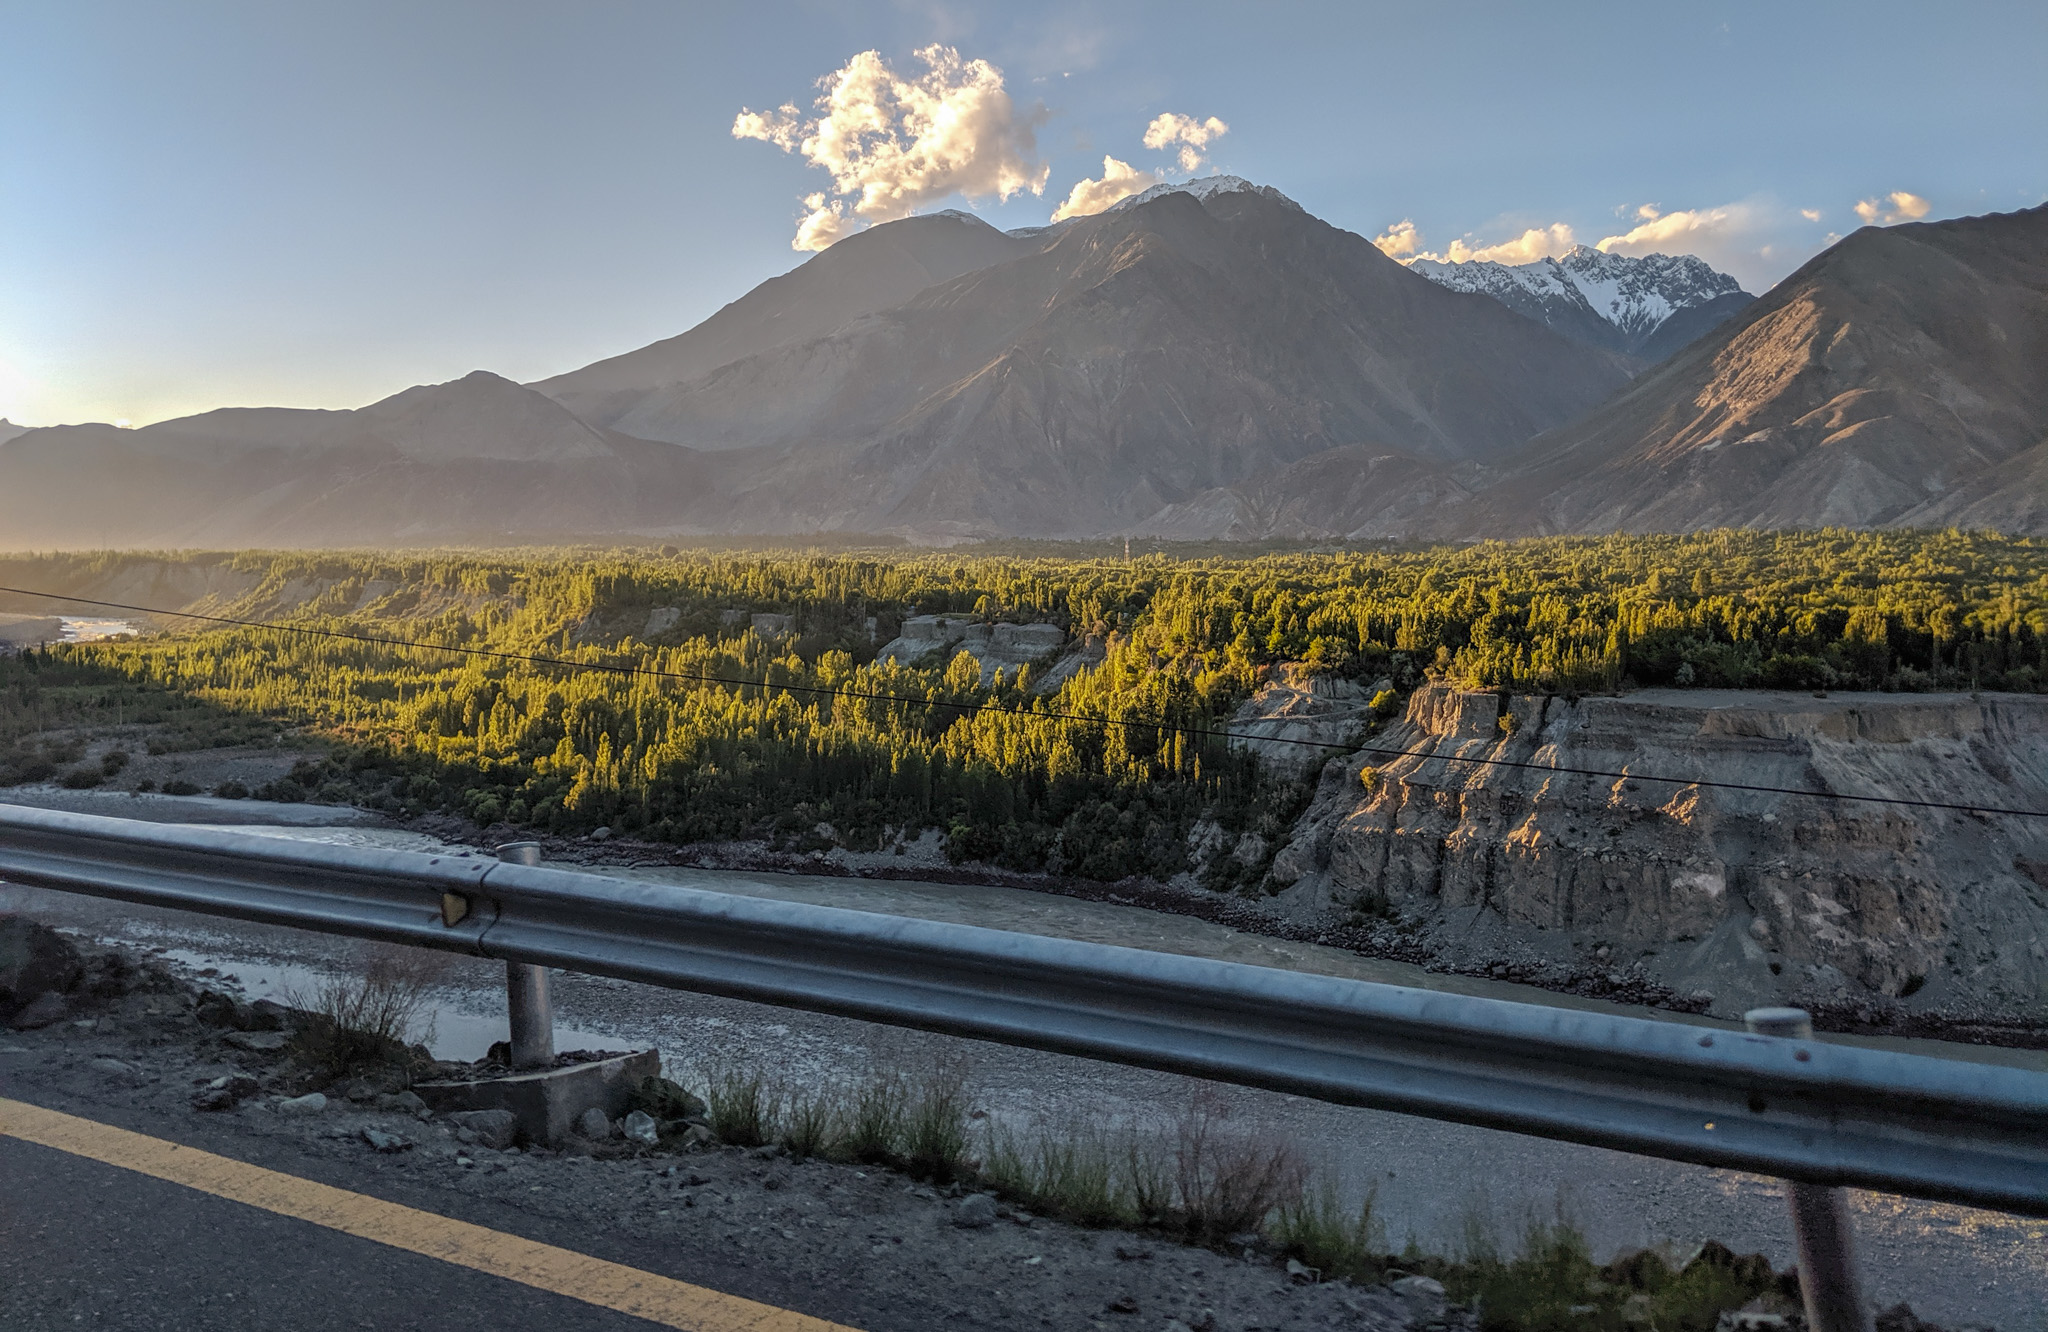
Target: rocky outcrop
x=998, y=647
x=1298, y=717
x=1750, y=896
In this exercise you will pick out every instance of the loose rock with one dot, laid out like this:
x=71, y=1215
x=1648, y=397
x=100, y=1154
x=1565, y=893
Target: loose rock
x=496, y=1129
x=46, y=1008
x=593, y=1125
x=385, y=1142
x=257, y=1042
x=312, y=1103
x=119, y=1072
x=975, y=1211
x=34, y=960
x=640, y=1127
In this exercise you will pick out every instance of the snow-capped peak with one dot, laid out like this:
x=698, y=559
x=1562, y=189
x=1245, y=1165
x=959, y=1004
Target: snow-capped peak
x=1206, y=188
x=1632, y=295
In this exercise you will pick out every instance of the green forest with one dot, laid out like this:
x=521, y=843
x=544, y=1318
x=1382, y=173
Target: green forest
x=676, y=720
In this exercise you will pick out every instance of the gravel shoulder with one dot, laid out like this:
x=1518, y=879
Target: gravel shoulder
x=863, y=1246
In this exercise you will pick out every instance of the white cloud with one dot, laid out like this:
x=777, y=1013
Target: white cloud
x=1119, y=180
x=893, y=142
x=1193, y=136
x=1399, y=240
x=1658, y=231
x=1898, y=206
x=1810, y=214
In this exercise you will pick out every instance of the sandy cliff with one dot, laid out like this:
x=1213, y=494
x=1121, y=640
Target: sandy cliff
x=1747, y=896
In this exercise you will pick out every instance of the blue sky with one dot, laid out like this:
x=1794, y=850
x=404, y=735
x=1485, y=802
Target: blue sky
x=211, y=204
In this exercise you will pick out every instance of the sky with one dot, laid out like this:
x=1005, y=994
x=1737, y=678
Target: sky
x=231, y=204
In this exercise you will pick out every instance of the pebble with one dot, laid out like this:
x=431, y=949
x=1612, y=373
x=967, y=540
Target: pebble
x=119, y=1071
x=385, y=1142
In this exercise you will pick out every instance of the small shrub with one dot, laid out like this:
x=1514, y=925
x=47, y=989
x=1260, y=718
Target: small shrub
x=1322, y=1234
x=742, y=1108
x=935, y=1128
x=1227, y=1181
x=231, y=790
x=354, y=1023
x=82, y=779
x=113, y=761
x=178, y=786
x=874, y=1124
x=810, y=1124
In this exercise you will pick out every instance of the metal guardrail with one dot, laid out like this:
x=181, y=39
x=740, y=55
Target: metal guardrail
x=1802, y=1109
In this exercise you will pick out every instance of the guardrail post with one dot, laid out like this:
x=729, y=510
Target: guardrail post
x=526, y=989
x=1821, y=1230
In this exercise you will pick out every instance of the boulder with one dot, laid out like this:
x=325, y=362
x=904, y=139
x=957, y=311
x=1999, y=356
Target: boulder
x=496, y=1129
x=34, y=960
x=41, y=1011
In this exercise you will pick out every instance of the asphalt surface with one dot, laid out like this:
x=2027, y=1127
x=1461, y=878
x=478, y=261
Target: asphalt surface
x=83, y=1244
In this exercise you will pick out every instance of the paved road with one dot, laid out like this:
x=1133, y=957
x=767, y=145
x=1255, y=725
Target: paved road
x=90, y=1237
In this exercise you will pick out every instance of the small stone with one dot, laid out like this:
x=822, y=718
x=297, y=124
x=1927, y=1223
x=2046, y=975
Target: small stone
x=257, y=1042
x=496, y=1129
x=640, y=1127
x=120, y=1072
x=269, y=1015
x=385, y=1142
x=697, y=1137
x=600, y=834
x=467, y=1137
x=1423, y=1291
x=43, y=1010
x=312, y=1103
x=1123, y=1304
x=594, y=1125
x=975, y=1211
x=768, y=1151
x=1302, y=1274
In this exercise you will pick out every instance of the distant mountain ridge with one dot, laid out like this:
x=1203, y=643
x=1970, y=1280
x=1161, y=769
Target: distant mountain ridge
x=1647, y=306
x=1201, y=361
x=476, y=459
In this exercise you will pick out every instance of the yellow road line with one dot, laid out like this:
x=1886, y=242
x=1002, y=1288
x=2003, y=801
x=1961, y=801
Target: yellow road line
x=658, y=1299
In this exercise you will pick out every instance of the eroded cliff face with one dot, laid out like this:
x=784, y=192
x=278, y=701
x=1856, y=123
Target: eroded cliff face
x=1745, y=895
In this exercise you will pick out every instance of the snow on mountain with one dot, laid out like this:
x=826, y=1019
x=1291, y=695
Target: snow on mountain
x=1205, y=189
x=1610, y=300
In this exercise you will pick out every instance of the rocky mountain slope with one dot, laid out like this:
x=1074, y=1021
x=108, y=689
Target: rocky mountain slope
x=1142, y=357
x=1648, y=306
x=871, y=270
x=1743, y=897
x=1895, y=379
x=8, y=430
x=478, y=459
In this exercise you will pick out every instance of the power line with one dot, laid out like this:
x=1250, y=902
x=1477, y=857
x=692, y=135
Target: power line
x=1147, y=724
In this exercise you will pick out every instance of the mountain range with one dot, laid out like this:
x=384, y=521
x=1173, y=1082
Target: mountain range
x=1201, y=361
x=1648, y=306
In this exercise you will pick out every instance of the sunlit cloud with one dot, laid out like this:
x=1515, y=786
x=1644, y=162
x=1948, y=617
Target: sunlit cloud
x=1898, y=206
x=895, y=142
x=1658, y=232
x=1810, y=214
x=1119, y=180
x=1403, y=241
x=1400, y=240
x=1191, y=134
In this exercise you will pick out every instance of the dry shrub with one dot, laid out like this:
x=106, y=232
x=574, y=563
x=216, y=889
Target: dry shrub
x=935, y=1126
x=369, y=1018
x=1227, y=1180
